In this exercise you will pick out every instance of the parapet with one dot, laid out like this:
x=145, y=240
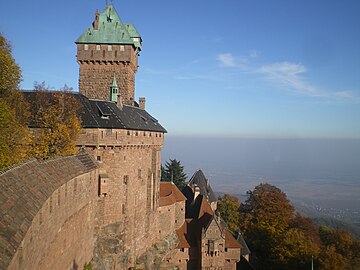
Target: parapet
x=24, y=190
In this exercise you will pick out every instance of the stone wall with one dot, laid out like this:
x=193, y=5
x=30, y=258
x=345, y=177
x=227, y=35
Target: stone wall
x=129, y=171
x=212, y=247
x=98, y=66
x=170, y=218
x=60, y=205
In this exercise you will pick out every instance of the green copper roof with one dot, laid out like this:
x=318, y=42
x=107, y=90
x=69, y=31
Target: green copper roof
x=114, y=90
x=111, y=30
x=114, y=83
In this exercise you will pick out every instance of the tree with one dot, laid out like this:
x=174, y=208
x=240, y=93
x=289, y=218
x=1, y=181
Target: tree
x=10, y=73
x=268, y=206
x=307, y=227
x=228, y=207
x=14, y=135
x=174, y=172
x=55, y=121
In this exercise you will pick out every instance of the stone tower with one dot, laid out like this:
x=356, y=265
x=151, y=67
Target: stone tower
x=106, y=52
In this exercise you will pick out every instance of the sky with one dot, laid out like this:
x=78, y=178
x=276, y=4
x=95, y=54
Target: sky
x=232, y=68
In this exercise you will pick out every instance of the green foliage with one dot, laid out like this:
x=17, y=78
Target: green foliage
x=14, y=135
x=279, y=239
x=56, y=121
x=87, y=266
x=228, y=207
x=10, y=73
x=174, y=172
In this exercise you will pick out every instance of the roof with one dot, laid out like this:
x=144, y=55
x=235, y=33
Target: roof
x=170, y=194
x=24, y=190
x=196, y=208
x=111, y=30
x=230, y=241
x=199, y=215
x=202, y=182
x=245, y=249
x=182, y=233
x=106, y=114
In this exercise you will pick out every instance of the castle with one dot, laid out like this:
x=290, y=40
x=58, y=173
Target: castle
x=107, y=204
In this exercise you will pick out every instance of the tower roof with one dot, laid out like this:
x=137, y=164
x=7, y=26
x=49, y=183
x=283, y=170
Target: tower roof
x=109, y=29
x=114, y=83
x=202, y=182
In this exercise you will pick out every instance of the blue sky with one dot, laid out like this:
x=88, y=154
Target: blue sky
x=232, y=68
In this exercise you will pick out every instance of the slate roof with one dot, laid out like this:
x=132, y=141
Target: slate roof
x=245, y=249
x=106, y=114
x=170, y=194
x=24, y=190
x=111, y=30
x=202, y=182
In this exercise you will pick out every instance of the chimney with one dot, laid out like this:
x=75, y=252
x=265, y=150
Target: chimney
x=96, y=21
x=119, y=101
x=142, y=102
x=196, y=192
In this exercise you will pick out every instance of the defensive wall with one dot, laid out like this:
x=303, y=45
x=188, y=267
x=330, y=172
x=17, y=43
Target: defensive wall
x=48, y=212
x=129, y=177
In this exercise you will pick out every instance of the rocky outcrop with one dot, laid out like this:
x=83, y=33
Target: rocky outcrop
x=110, y=252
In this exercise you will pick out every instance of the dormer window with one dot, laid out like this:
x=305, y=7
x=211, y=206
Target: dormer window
x=104, y=113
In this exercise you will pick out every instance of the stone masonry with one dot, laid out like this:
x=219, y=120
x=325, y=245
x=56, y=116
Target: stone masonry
x=98, y=67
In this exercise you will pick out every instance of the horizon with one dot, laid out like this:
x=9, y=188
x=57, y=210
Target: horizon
x=279, y=69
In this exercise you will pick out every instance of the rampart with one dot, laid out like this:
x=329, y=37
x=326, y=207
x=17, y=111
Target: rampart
x=47, y=214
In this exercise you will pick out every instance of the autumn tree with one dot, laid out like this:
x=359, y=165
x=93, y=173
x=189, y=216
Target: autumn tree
x=174, y=172
x=267, y=206
x=340, y=245
x=228, y=207
x=14, y=115
x=10, y=73
x=54, y=121
x=14, y=137
x=266, y=218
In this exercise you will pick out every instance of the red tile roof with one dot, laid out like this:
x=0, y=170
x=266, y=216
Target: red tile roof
x=170, y=194
x=230, y=241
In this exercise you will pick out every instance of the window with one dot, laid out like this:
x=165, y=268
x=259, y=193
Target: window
x=211, y=246
x=86, y=47
x=98, y=47
x=58, y=198
x=108, y=131
x=103, y=53
x=139, y=174
x=98, y=158
x=115, y=53
x=126, y=179
x=65, y=189
x=122, y=48
x=182, y=249
x=109, y=48
x=50, y=205
x=75, y=186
